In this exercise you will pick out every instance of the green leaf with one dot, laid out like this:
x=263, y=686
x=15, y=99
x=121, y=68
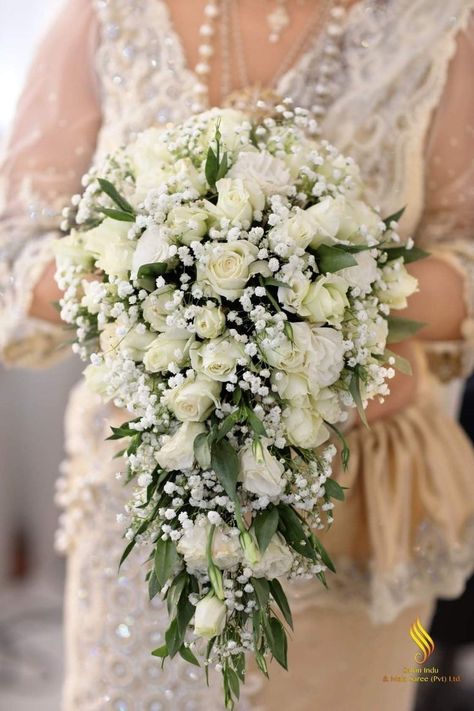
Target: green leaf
x=188, y=656
x=174, y=593
x=173, y=638
x=152, y=270
x=118, y=214
x=323, y=553
x=255, y=423
x=334, y=490
x=234, y=682
x=270, y=281
x=185, y=613
x=402, y=364
x=280, y=598
x=279, y=645
x=161, y=651
x=212, y=166
x=166, y=558
x=409, y=255
x=331, y=259
x=265, y=526
x=354, y=389
x=262, y=592
x=292, y=530
x=401, y=328
x=395, y=217
x=261, y=663
x=225, y=463
x=202, y=450
x=239, y=665
x=228, y=422
x=153, y=586
x=346, y=452
x=223, y=167
x=114, y=195
x=237, y=395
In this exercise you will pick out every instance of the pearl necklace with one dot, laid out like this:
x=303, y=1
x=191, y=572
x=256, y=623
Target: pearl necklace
x=216, y=10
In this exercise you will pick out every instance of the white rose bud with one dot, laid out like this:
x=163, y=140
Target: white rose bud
x=177, y=453
x=218, y=358
x=135, y=343
x=304, y=427
x=325, y=300
x=95, y=377
x=235, y=201
x=293, y=387
x=157, y=306
x=325, y=220
x=209, y=322
x=194, y=400
x=153, y=246
x=210, y=617
x=398, y=283
x=261, y=473
x=189, y=223
x=192, y=545
x=270, y=173
x=169, y=347
x=275, y=562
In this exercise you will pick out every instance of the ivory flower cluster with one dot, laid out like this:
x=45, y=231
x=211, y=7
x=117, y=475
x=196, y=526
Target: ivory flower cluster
x=231, y=289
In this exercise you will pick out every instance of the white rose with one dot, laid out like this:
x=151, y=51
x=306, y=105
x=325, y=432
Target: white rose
x=398, y=285
x=234, y=128
x=292, y=387
x=135, y=343
x=169, y=347
x=157, y=306
x=363, y=274
x=261, y=472
x=328, y=405
x=218, y=358
x=304, y=427
x=177, y=453
x=226, y=549
x=276, y=561
x=325, y=221
x=325, y=300
x=112, y=249
x=285, y=354
x=270, y=173
x=71, y=250
x=296, y=231
x=354, y=215
x=153, y=246
x=229, y=266
x=194, y=400
x=209, y=322
x=237, y=199
x=210, y=617
x=189, y=223
x=108, y=338
x=151, y=162
x=188, y=176
x=96, y=380
x=324, y=354
x=291, y=297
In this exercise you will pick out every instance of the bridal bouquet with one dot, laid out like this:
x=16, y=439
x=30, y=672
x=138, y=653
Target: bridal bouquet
x=230, y=288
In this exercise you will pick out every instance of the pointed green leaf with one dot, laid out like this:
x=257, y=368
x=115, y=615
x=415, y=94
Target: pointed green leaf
x=331, y=259
x=109, y=189
x=166, y=559
x=280, y=598
x=225, y=463
x=354, y=389
x=265, y=526
x=409, y=255
x=279, y=644
x=188, y=656
x=395, y=217
x=118, y=214
x=401, y=328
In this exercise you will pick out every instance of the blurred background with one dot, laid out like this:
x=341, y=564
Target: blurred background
x=31, y=433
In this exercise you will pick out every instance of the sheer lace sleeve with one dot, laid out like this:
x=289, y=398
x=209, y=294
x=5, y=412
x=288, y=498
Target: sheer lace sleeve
x=49, y=147
x=447, y=226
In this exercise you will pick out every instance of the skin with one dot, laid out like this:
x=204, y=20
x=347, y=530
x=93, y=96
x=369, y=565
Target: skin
x=439, y=302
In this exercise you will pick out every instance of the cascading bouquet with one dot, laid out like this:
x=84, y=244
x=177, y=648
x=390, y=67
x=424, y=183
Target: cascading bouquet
x=232, y=291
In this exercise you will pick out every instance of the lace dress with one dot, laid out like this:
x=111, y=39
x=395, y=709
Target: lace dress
x=403, y=108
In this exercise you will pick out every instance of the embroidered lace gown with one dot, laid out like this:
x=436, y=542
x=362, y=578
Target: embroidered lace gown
x=403, y=106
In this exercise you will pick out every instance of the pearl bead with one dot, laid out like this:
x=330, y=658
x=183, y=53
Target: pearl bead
x=200, y=89
x=338, y=12
x=211, y=10
x=202, y=68
x=205, y=50
x=206, y=30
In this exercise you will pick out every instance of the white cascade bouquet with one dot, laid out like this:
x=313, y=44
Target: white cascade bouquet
x=231, y=289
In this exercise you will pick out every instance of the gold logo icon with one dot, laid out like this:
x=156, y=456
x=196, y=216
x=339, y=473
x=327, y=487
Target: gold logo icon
x=422, y=640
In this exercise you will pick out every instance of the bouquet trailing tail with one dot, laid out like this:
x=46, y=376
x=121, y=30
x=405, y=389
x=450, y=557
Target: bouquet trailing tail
x=231, y=289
